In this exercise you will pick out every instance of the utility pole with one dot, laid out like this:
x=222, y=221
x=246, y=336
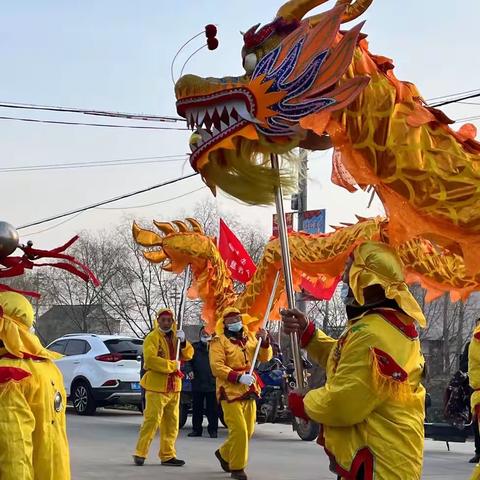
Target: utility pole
x=302, y=206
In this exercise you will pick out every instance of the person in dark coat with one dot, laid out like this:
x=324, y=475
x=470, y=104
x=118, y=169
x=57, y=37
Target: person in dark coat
x=203, y=389
x=463, y=366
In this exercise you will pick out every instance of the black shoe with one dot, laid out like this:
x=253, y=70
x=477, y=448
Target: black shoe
x=139, y=461
x=213, y=434
x=239, y=475
x=195, y=434
x=223, y=463
x=475, y=459
x=173, y=462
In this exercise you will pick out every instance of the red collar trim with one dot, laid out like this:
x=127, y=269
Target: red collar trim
x=408, y=330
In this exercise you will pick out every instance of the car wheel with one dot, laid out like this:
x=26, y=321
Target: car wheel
x=307, y=431
x=82, y=398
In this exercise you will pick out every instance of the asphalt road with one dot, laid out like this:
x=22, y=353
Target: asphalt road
x=101, y=447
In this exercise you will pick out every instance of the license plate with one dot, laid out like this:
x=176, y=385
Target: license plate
x=135, y=386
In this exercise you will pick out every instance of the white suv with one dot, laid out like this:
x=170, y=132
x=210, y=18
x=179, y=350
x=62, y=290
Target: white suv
x=99, y=370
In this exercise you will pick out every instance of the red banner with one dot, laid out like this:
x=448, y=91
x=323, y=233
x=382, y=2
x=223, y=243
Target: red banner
x=237, y=259
x=289, y=221
x=318, y=291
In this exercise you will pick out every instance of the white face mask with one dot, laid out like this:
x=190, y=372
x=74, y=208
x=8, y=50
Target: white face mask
x=166, y=330
x=206, y=339
x=235, y=327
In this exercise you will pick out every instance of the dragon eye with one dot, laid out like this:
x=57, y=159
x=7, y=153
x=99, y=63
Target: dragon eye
x=250, y=62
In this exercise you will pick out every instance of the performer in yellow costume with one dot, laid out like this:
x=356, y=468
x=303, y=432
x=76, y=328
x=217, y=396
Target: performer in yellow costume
x=231, y=356
x=162, y=383
x=474, y=376
x=371, y=408
x=33, y=438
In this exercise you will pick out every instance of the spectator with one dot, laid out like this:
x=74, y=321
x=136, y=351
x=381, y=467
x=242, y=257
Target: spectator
x=463, y=366
x=203, y=388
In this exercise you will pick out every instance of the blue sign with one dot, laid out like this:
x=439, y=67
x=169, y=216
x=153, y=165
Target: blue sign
x=314, y=221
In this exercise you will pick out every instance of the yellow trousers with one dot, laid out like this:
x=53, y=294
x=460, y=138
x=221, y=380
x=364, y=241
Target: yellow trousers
x=240, y=418
x=161, y=412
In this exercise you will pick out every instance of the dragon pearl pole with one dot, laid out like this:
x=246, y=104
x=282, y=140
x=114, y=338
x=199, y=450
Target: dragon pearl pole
x=183, y=302
x=287, y=274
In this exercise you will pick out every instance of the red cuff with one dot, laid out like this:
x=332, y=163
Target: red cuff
x=307, y=335
x=296, y=406
x=233, y=377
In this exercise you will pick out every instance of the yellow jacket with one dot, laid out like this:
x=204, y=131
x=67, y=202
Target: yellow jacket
x=33, y=438
x=474, y=370
x=161, y=373
x=230, y=358
x=372, y=406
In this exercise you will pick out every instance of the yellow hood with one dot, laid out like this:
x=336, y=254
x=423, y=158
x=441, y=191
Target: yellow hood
x=375, y=263
x=16, y=319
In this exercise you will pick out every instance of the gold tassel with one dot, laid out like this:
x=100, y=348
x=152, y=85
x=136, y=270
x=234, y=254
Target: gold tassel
x=389, y=387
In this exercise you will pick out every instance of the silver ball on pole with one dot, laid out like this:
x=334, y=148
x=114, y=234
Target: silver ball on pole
x=8, y=239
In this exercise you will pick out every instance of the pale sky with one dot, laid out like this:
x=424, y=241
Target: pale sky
x=116, y=55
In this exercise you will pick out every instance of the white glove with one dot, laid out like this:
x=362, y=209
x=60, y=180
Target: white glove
x=181, y=335
x=247, y=379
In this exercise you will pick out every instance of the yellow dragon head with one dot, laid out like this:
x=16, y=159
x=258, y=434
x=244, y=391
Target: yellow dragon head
x=294, y=73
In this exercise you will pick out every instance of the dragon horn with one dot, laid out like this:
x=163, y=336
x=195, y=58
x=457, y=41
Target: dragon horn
x=353, y=9
x=297, y=9
x=165, y=227
x=182, y=226
x=195, y=225
x=146, y=238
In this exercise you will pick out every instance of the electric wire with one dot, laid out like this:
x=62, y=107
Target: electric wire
x=85, y=124
x=105, y=202
x=97, y=113
x=101, y=163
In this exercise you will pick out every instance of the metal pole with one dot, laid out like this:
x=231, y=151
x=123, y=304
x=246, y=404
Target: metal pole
x=302, y=208
x=265, y=320
x=287, y=274
x=181, y=309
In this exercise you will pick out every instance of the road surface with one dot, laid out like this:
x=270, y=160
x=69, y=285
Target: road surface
x=101, y=448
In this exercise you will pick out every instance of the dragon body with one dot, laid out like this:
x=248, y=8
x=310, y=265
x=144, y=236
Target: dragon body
x=319, y=257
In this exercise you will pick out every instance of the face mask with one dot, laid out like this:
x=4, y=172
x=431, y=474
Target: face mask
x=235, y=327
x=165, y=330
x=205, y=339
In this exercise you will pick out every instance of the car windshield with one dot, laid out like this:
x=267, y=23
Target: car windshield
x=124, y=345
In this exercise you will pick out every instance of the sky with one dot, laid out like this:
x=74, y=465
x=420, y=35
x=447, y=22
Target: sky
x=116, y=55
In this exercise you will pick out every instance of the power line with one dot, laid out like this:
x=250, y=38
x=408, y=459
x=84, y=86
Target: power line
x=110, y=125
x=38, y=232
x=111, y=208
x=105, y=202
x=447, y=102
x=466, y=119
x=154, y=203
x=102, y=163
x=452, y=95
x=98, y=113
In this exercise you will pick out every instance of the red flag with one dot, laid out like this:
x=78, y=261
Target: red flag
x=237, y=259
x=318, y=291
